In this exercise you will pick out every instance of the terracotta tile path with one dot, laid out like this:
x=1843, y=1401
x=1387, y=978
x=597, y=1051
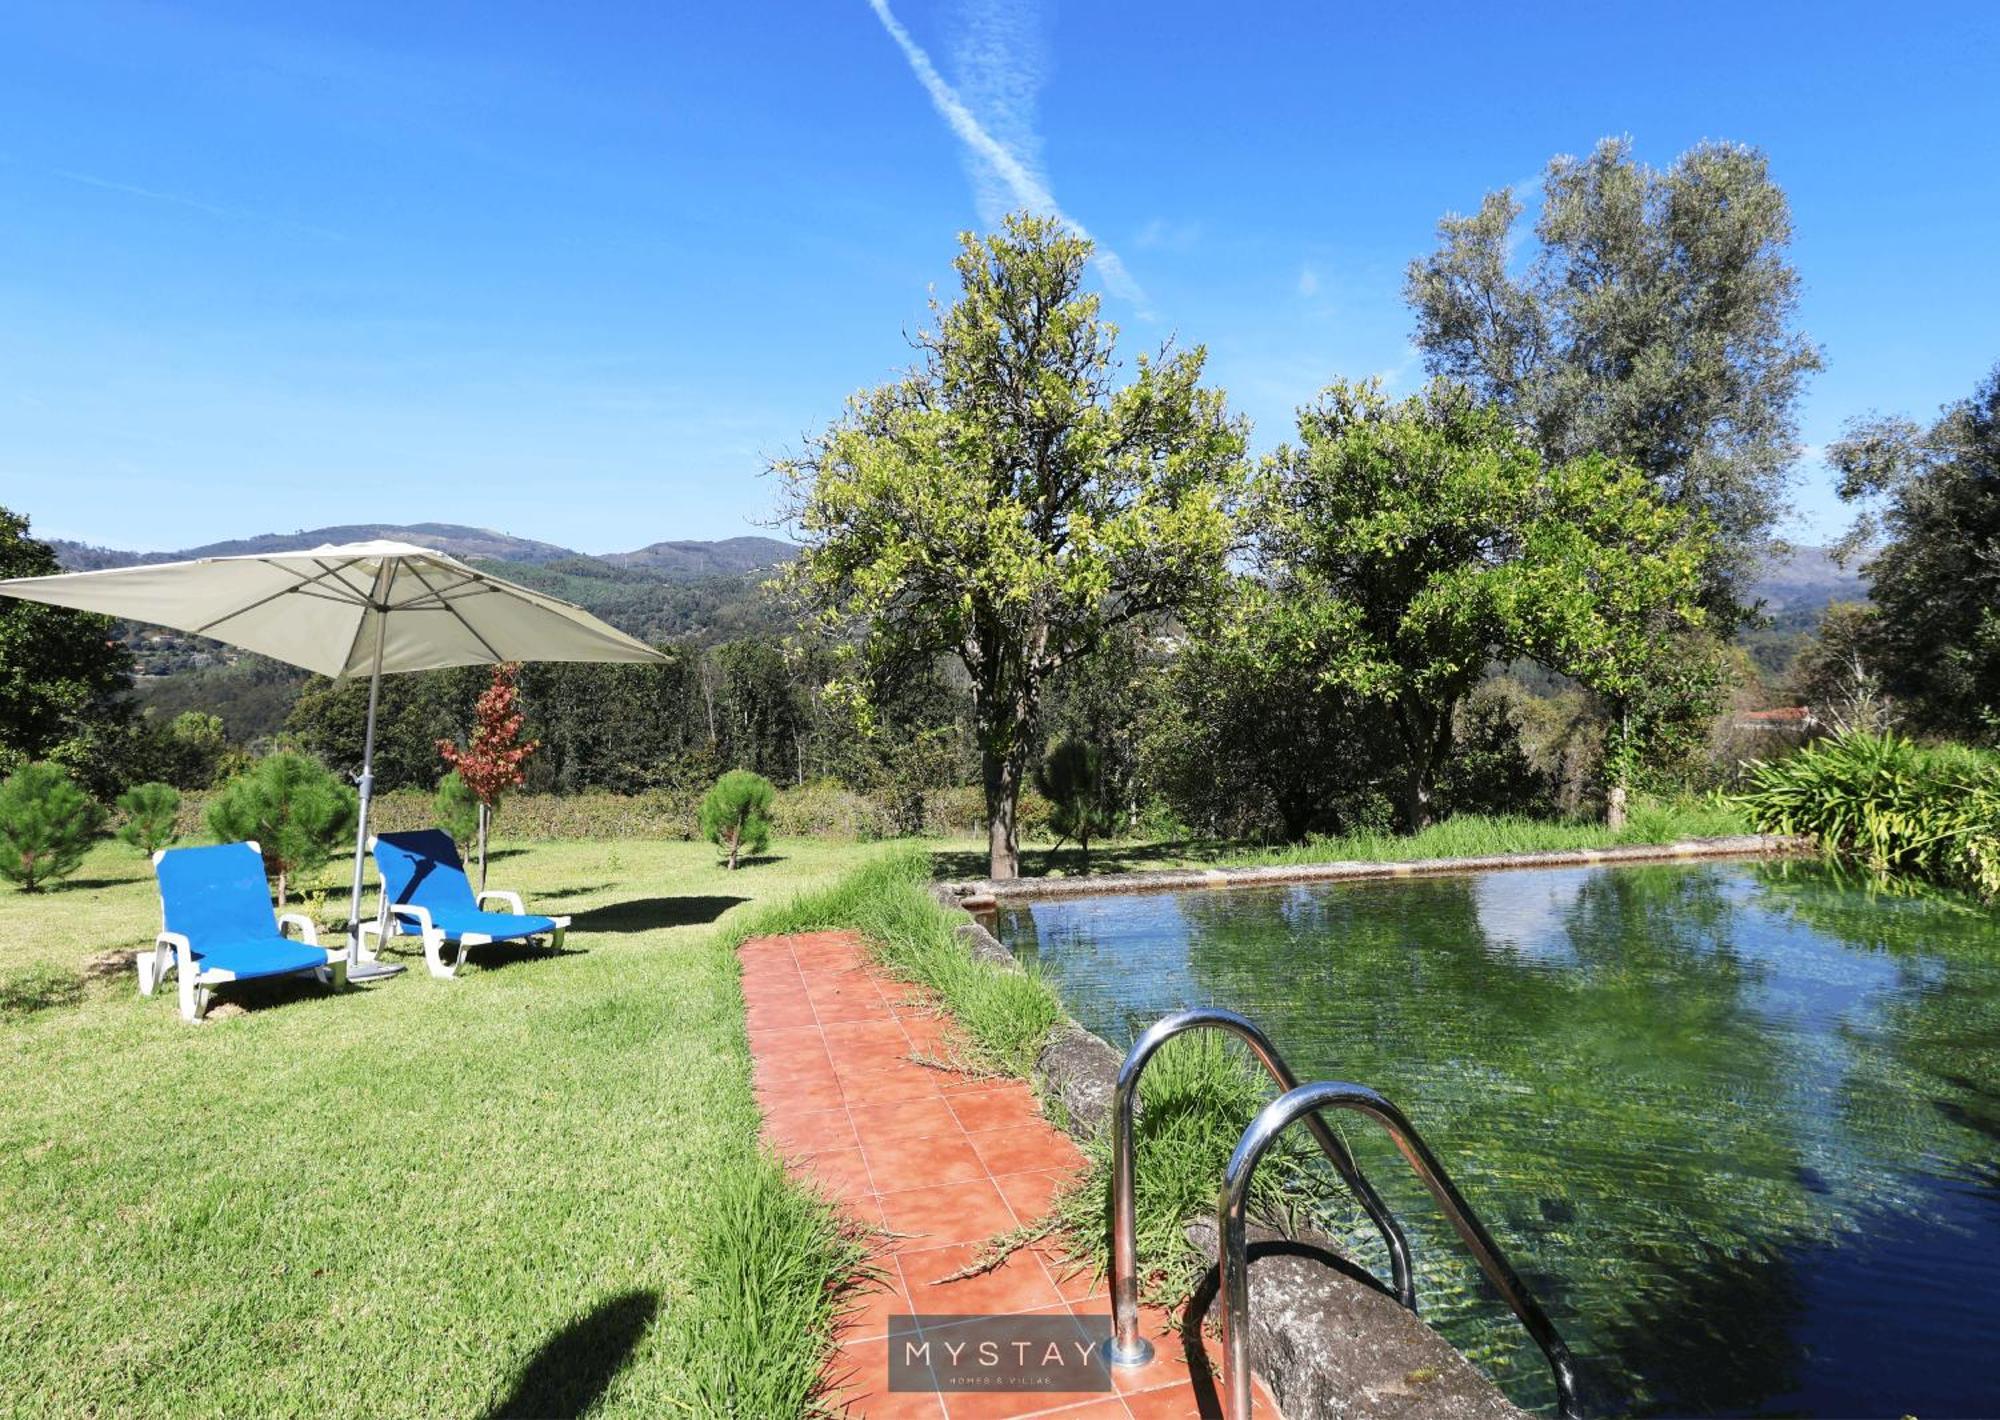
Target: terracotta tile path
x=940, y=1162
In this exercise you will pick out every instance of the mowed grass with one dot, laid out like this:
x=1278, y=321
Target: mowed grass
x=524, y=1191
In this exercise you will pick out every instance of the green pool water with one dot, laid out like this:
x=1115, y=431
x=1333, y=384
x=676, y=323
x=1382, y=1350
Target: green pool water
x=1738, y=1124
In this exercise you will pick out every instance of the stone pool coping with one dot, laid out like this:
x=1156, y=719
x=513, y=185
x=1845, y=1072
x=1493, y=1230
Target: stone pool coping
x=1323, y=1341
x=978, y=893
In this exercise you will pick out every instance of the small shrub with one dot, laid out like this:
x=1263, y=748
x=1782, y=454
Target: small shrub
x=455, y=809
x=736, y=815
x=46, y=825
x=1072, y=779
x=151, y=814
x=296, y=812
x=1889, y=804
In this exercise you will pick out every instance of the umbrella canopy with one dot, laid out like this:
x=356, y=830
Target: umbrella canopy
x=352, y=609
x=359, y=608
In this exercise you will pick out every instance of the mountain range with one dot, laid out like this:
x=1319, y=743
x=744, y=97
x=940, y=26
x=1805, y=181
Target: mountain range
x=1802, y=580
x=682, y=560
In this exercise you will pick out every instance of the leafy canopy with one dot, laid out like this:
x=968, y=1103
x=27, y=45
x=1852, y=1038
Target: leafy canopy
x=1932, y=495
x=62, y=676
x=1008, y=501
x=296, y=812
x=46, y=826
x=1652, y=323
x=1412, y=544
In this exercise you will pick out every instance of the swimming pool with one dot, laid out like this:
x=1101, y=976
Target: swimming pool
x=1738, y=1124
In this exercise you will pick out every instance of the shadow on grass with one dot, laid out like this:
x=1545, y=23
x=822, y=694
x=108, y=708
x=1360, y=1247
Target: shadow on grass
x=39, y=988
x=574, y=1367
x=647, y=914
x=575, y=890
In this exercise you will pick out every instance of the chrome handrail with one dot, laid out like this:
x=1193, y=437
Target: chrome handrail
x=1232, y=1217
x=1126, y=1346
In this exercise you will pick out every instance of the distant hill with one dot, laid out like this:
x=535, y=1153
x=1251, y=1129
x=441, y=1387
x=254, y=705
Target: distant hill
x=730, y=557
x=669, y=561
x=681, y=590
x=453, y=538
x=1805, y=581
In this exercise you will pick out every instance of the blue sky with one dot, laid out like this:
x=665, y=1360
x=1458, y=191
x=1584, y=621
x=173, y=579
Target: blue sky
x=576, y=271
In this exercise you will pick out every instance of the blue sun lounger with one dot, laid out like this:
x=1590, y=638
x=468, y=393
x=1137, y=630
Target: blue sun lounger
x=424, y=889
x=217, y=927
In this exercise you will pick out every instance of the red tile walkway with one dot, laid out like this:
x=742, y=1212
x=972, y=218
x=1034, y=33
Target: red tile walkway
x=941, y=1162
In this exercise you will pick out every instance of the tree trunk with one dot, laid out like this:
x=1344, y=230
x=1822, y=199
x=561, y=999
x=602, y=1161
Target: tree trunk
x=485, y=818
x=1426, y=735
x=735, y=846
x=1417, y=805
x=1003, y=799
x=281, y=889
x=1614, y=807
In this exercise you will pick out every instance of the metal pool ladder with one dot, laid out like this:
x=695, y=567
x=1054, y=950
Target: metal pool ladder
x=1128, y=1348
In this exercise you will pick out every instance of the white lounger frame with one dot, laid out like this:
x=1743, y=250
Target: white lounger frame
x=173, y=953
x=395, y=918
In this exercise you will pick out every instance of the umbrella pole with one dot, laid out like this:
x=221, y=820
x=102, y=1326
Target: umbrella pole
x=357, y=969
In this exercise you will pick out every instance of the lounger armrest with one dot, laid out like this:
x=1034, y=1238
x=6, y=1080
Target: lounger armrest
x=308, y=931
x=409, y=912
x=513, y=899
x=154, y=965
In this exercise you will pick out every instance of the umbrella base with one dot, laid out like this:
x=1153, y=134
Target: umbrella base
x=373, y=970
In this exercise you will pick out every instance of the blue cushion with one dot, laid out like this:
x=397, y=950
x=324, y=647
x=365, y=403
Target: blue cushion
x=500, y=926
x=215, y=894
x=422, y=869
x=264, y=956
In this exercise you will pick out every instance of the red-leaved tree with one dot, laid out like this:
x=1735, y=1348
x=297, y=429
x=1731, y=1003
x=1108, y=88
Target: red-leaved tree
x=492, y=763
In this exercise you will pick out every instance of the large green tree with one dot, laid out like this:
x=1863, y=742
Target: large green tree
x=1931, y=500
x=1652, y=320
x=1414, y=544
x=1008, y=501
x=1250, y=735
x=63, y=677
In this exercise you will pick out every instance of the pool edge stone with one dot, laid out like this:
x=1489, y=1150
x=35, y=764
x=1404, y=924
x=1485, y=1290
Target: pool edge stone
x=985, y=893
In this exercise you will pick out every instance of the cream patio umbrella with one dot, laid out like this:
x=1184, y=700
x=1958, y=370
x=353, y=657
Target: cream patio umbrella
x=360, y=608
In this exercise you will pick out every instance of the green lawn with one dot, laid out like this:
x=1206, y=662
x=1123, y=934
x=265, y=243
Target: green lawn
x=503, y=1193
x=523, y=1191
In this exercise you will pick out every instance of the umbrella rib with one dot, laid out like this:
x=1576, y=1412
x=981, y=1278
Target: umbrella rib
x=383, y=576
x=418, y=573
x=314, y=582
x=436, y=594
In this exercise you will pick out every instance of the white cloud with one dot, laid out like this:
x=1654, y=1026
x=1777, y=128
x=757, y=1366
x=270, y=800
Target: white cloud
x=1007, y=173
x=1308, y=280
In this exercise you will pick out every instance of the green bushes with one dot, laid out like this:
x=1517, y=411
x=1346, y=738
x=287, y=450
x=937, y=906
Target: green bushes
x=292, y=809
x=736, y=815
x=46, y=826
x=1890, y=804
x=1073, y=780
x=151, y=811
x=455, y=810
